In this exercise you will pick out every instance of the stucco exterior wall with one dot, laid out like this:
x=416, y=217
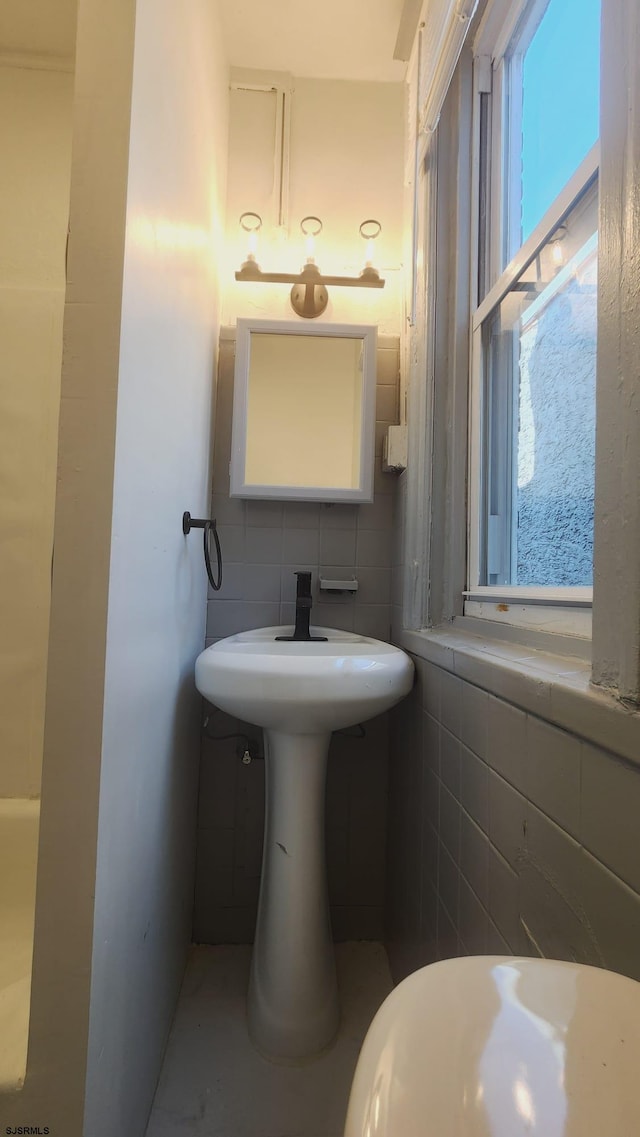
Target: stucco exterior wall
x=556, y=439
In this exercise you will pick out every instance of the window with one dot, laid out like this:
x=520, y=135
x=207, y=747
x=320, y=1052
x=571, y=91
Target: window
x=552, y=91
x=534, y=328
x=497, y=510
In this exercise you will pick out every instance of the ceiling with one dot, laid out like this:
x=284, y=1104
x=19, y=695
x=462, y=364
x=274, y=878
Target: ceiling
x=46, y=27
x=329, y=39
x=332, y=39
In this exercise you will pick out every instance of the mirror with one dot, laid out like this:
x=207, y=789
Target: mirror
x=303, y=411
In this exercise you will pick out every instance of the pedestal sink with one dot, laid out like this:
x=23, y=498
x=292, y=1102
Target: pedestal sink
x=299, y=692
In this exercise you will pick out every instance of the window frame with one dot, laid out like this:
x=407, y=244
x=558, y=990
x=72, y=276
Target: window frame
x=506, y=658
x=491, y=280
x=416, y=584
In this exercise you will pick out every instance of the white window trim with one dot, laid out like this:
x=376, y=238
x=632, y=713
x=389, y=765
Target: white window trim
x=447, y=55
x=578, y=598
x=561, y=611
x=519, y=27
x=616, y=611
x=577, y=185
x=494, y=38
x=421, y=393
x=497, y=27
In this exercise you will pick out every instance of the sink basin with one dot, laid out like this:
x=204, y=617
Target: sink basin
x=303, y=688
x=299, y=692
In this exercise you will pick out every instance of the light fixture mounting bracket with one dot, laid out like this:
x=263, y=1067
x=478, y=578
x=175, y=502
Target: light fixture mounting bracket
x=309, y=297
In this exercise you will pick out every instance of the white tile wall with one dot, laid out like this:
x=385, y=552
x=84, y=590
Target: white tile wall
x=530, y=848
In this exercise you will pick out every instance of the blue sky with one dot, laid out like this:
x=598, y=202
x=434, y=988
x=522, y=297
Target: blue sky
x=561, y=96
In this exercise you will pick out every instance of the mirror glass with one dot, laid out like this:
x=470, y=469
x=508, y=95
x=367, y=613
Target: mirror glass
x=303, y=417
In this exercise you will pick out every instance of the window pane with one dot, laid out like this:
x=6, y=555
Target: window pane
x=540, y=363
x=560, y=77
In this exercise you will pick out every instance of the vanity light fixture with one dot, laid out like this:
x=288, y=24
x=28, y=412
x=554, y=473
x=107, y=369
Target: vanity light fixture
x=309, y=296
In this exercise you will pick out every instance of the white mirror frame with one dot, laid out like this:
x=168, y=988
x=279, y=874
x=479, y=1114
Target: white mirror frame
x=238, y=487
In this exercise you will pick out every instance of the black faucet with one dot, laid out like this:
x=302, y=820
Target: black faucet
x=303, y=610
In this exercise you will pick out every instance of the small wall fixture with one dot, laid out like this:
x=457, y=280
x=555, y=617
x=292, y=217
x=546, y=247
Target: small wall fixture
x=349, y=585
x=309, y=296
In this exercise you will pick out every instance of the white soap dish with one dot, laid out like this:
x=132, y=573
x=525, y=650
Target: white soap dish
x=350, y=585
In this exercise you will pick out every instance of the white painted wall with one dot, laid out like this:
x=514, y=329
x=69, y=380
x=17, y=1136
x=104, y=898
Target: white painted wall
x=346, y=165
x=35, y=143
x=129, y=598
x=157, y=583
x=333, y=40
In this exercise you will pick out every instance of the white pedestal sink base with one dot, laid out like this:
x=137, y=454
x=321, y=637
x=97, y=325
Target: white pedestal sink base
x=298, y=691
x=293, y=997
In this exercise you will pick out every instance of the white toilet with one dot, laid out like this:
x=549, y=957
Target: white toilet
x=492, y=1046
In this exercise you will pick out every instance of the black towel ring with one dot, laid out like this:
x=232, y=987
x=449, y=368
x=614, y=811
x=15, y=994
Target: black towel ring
x=209, y=526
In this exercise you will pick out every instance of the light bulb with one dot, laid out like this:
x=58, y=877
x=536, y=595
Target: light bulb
x=369, y=230
x=557, y=256
x=557, y=251
x=310, y=227
x=251, y=223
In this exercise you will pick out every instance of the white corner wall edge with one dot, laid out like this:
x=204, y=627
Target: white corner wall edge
x=157, y=586
x=55, y=1081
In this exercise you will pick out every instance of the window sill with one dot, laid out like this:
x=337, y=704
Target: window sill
x=553, y=687
x=552, y=617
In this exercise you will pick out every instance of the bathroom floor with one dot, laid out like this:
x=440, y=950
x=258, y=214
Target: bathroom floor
x=215, y=1084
